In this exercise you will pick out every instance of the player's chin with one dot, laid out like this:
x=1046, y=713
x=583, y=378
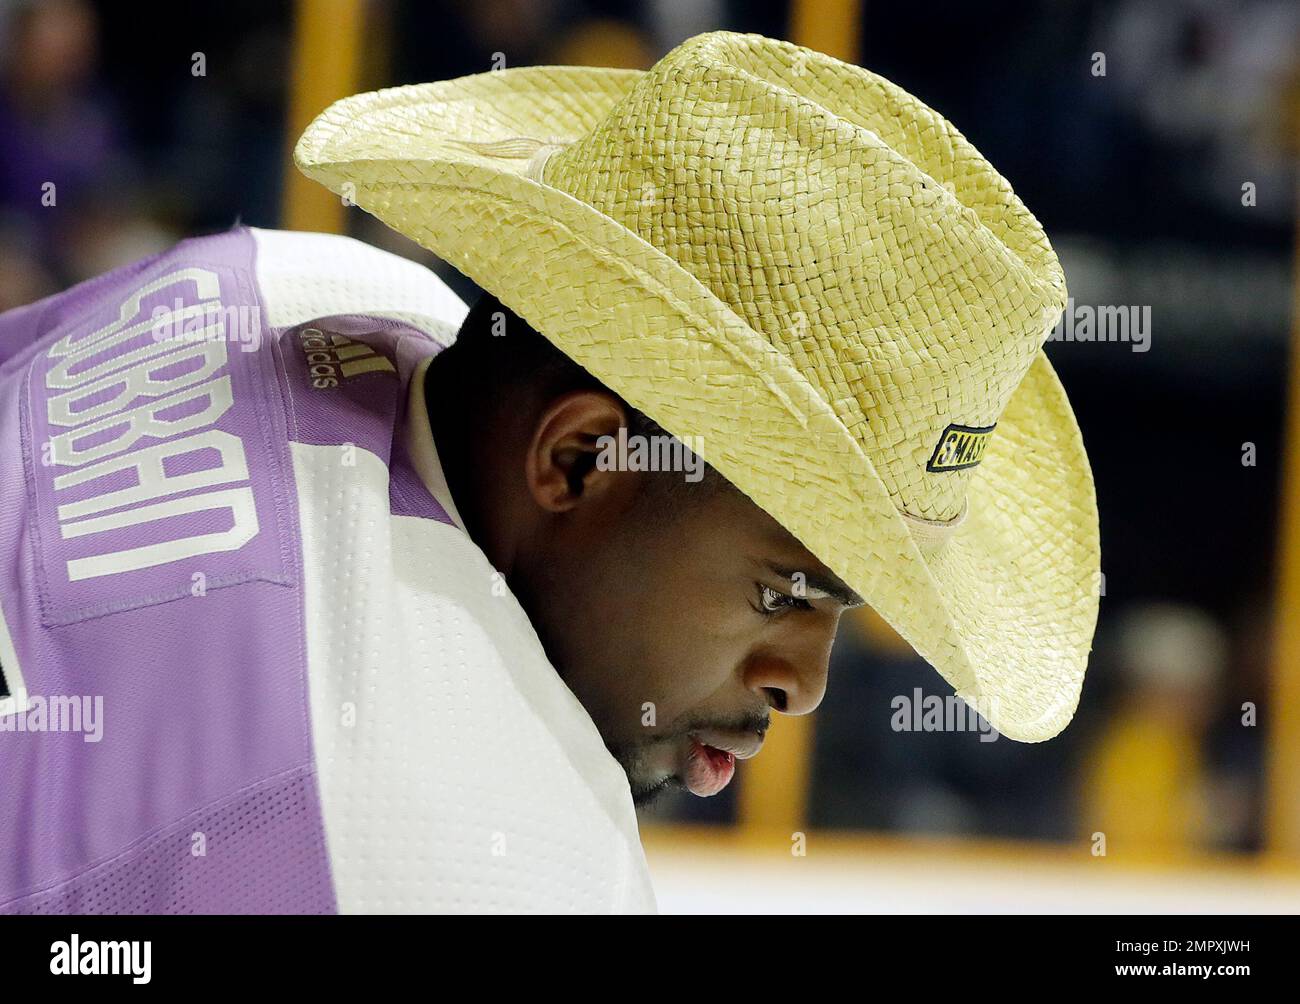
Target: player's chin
x=647, y=792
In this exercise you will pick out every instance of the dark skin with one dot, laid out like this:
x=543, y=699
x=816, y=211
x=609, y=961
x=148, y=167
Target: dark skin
x=675, y=617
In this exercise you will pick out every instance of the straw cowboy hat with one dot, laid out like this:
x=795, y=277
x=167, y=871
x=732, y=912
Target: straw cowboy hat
x=804, y=266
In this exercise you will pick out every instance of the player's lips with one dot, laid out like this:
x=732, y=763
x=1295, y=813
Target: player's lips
x=711, y=759
x=741, y=745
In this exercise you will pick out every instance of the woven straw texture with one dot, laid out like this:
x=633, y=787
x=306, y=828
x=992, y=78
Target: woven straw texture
x=812, y=271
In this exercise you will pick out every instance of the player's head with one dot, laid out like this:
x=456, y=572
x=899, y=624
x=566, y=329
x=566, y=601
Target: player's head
x=852, y=321
x=671, y=604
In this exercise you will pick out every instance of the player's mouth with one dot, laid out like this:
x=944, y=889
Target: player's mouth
x=710, y=761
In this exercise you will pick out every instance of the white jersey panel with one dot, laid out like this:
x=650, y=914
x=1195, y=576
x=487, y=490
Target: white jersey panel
x=457, y=772
x=304, y=275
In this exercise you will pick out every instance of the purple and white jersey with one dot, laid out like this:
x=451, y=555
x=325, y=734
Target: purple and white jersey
x=251, y=660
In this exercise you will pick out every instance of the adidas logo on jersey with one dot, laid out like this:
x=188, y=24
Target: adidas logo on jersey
x=332, y=358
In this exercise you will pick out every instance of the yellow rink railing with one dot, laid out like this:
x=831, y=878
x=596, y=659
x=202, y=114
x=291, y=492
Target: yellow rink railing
x=1283, y=747
x=327, y=41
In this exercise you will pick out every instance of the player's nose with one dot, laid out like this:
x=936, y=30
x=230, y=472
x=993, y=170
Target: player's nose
x=791, y=681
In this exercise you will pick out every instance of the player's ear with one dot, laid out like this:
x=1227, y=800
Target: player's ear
x=571, y=433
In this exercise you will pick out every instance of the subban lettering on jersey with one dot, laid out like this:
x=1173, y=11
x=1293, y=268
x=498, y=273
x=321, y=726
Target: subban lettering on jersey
x=146, y=453
x=132, y=421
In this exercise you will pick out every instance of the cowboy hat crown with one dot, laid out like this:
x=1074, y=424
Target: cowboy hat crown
x=850, y=224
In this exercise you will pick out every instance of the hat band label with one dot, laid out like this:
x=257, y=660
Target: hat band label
x=960, y=447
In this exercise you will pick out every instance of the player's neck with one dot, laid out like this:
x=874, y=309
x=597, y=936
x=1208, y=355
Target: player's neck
x=457, y=423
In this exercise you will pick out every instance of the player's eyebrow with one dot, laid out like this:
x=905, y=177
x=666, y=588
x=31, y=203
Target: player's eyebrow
x=818, y=585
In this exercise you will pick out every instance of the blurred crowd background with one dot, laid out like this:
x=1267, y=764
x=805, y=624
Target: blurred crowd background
x=1139, y=176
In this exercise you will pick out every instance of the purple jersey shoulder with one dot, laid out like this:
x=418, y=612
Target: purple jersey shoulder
x=150, y=580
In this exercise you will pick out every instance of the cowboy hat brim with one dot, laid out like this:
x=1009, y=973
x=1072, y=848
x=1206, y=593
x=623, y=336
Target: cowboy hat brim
x=1004, y=609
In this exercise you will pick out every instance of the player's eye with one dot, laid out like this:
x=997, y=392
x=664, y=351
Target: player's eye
x=772, y=602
